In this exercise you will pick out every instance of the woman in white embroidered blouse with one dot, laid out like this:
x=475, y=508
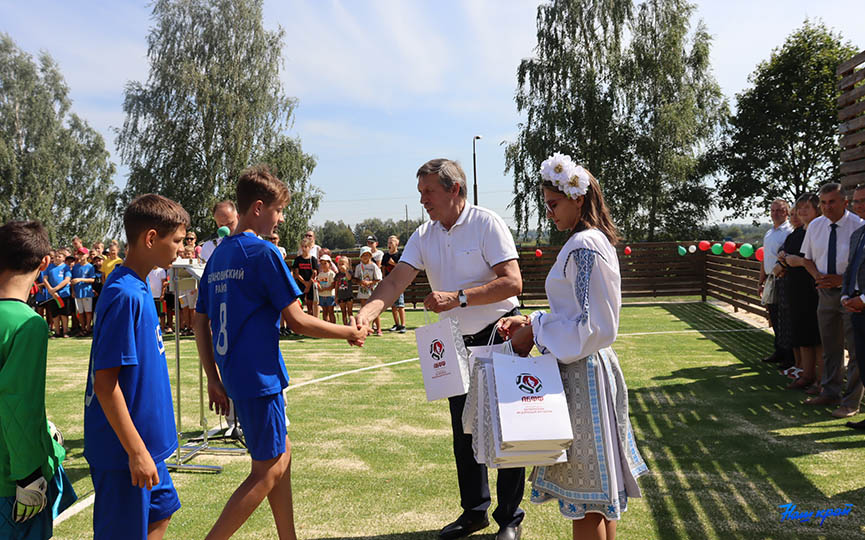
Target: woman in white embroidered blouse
x=584, y=292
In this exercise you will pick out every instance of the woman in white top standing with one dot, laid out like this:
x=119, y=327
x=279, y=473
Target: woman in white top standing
x=584, y=292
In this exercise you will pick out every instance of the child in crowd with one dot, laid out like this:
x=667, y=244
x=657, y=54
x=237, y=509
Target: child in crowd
x=98, y=279
x=325, y=285
x=34, y=488
x=60, y=307
x=129, y=427
x=187, y=295
x=112, y=260
x=343, y=282
x=157, y=280
x=367, y=274
x=305, y=270
x=388, y=263
x=75, y=329
x=83, y=276
x=245, y=287
x=42, y=297
x=97, y=249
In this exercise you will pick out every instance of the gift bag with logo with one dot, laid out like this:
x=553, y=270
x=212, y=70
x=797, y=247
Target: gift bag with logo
x=531, y=408
x=480, y=352
x=443, y=359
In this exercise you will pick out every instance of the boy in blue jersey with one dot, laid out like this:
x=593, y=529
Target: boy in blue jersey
x=129, y=427
x=57, y=284
x=245, y=287
x=83, y=276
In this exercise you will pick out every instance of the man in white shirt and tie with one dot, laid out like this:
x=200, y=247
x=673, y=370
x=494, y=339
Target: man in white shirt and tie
x=826, y=248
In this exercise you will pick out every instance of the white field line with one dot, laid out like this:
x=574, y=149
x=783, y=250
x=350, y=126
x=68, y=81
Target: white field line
x=74, y=509
x=335, y=375
x=83, y=504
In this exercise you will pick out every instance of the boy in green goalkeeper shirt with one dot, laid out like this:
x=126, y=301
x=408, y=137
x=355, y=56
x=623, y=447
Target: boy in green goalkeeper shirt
x=31, y=477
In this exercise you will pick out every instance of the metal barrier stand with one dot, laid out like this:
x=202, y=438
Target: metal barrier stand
x=185, y=452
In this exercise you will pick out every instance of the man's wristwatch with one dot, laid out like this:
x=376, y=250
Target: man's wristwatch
x=461, y=295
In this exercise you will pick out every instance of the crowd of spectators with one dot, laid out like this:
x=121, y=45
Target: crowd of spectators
x=812, y=282
x=67, y=291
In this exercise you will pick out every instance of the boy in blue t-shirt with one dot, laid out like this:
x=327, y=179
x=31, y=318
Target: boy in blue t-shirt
x=83, y=276
x=60, y=307
x=129, y=427
x=245, y=288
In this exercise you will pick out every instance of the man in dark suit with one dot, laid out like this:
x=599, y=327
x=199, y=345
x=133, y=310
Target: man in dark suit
x=853, y=299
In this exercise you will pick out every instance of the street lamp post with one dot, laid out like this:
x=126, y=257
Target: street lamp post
x=475, y=165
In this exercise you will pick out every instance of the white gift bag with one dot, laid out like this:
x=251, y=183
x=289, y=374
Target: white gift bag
x=443, y=359
x=531, y=405
x=487, y=444
x=481, y=352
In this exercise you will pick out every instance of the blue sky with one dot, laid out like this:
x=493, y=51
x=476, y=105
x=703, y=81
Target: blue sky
x=385, y=85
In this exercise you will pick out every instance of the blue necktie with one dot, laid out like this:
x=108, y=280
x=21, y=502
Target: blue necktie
x=833, y=250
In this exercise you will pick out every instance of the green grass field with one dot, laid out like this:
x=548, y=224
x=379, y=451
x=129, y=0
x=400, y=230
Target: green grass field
x=725, y=442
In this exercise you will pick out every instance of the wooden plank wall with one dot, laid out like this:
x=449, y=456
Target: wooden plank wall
x=851, y=115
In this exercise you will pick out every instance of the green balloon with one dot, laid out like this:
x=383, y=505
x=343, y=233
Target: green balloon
x=717, y=249
x=746, y=250
x=682, y=250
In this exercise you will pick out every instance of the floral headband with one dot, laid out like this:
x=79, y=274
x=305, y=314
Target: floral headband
x=567, y=176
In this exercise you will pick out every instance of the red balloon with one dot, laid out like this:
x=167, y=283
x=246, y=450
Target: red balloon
x=538, y=253
x=627, y=250
x=759, y=254
x=729, y=247
x=704, y=245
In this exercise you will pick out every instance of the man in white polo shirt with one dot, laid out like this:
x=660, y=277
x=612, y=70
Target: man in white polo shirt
x=773, y=241
x=470, y=259
x=826, y=248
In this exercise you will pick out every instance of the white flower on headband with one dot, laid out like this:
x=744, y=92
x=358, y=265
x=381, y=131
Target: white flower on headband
x=570, y=178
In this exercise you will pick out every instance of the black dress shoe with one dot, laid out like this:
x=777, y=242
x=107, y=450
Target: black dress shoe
x=462, y=527
x=856, y=425
x=772, y=359
x=509, y=533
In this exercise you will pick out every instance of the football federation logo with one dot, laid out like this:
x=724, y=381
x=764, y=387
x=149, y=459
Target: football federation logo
x=528, y=383
x=437, y=349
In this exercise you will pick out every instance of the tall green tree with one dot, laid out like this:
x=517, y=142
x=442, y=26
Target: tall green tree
x=53, y=165
x=675, y=110
x=212, y=105
x=783, y=139
x=569, y=94
x=638, y=115
x=335, y=235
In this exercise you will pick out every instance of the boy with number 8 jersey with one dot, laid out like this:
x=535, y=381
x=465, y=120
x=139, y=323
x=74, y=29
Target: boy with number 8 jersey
x=129, y=427
x=245, y=287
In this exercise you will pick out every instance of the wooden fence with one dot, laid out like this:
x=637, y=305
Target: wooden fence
x=851, y=114
x=652, y=269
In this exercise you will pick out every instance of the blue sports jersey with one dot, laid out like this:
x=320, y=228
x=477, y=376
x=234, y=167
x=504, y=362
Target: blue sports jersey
x=126, y=334
x=245, y=286
x=58, y=274
x=86, y=270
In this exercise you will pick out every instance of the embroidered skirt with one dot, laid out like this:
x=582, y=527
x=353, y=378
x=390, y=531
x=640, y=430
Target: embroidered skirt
x=603, y=461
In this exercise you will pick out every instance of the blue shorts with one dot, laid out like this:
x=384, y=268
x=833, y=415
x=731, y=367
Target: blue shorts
x=122, y=510
x=41, y=526
x=326, y=301
x=400, y=302
x=263, y=422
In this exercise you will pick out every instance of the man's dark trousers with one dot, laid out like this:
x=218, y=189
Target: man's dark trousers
x=472, y=476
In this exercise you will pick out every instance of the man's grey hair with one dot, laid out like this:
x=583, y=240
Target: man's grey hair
x=227, y=205
x=831, y=187
x=448, y=171
x=784, y=202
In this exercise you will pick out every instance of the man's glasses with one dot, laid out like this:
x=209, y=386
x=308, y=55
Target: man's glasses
x=188, y=238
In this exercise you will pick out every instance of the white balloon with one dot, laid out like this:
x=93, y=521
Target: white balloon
x=692, y=249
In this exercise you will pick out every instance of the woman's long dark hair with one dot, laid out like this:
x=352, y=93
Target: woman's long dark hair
x=595, y=214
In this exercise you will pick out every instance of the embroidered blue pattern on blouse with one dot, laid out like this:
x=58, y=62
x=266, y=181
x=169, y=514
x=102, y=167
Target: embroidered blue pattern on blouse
x=585, y=259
